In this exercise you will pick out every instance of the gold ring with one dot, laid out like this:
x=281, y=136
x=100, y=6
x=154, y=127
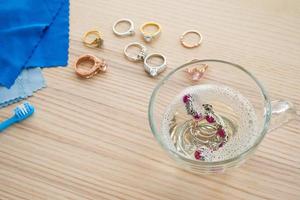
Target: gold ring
x=96, y=42
x=191, y=45
x=98, y=65
x=148, y=37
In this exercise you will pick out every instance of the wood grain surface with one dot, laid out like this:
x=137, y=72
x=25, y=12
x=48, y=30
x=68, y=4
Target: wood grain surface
x=90, y=139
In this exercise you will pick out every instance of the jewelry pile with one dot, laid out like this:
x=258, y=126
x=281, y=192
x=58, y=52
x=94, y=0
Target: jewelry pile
x=205, y=116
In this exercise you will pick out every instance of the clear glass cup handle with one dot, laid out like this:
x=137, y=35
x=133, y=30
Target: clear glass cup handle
x=282, y=113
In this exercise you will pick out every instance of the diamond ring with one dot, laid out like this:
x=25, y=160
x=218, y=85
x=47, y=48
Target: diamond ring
x=149, y=36
x=155, y=70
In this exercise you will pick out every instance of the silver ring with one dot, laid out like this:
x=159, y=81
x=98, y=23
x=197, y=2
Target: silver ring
x=140, y=56
x=155, y=70
x=129, y=32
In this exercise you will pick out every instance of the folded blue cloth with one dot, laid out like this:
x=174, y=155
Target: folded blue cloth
x=28, y=82
x=33, y=33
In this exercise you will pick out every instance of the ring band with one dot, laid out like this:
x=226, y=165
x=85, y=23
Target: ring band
x=140, y=56
x=191, y=45
x=98, y=65
x=148, y=37
x=155, y=70
x=128, y=32
x=97, y=42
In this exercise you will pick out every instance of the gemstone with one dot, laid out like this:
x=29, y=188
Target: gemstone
x=148, y=38
x=196, y=76
x=221, y=133
x=197, y=116
x=141, y=55
x=197, y=155
x=210, y=119
x=153, y=72
x=186, y=98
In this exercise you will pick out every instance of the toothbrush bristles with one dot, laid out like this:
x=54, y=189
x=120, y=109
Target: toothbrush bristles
x=20, y=109
x=24, y=110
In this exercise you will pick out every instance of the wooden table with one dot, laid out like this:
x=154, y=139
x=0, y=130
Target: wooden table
x=90, y=139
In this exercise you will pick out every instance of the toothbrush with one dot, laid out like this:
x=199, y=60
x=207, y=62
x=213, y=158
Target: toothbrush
x=21, y=112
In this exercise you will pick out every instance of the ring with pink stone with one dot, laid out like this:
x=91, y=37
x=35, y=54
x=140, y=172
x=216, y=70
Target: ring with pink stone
x=197, y=73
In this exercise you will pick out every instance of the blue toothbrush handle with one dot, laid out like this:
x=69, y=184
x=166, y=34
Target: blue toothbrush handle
x=5, y=124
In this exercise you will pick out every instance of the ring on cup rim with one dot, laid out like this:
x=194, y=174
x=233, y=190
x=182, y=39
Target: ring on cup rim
x=97, y=42
x=149, y=36
x=191, y=45
x=155, y=70
x=98, y=65
x=128, y=32
x=140, y=56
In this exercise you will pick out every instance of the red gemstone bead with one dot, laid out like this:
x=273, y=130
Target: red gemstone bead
x=186, y=98
x=221, y=133
x=210, y=119
x=197, y=155
x=197, y=116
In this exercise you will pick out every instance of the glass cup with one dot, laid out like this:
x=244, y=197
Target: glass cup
x=239, y=101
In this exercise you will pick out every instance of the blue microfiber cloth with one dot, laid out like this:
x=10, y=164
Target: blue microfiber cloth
x=28, y=82
x=33, y=33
